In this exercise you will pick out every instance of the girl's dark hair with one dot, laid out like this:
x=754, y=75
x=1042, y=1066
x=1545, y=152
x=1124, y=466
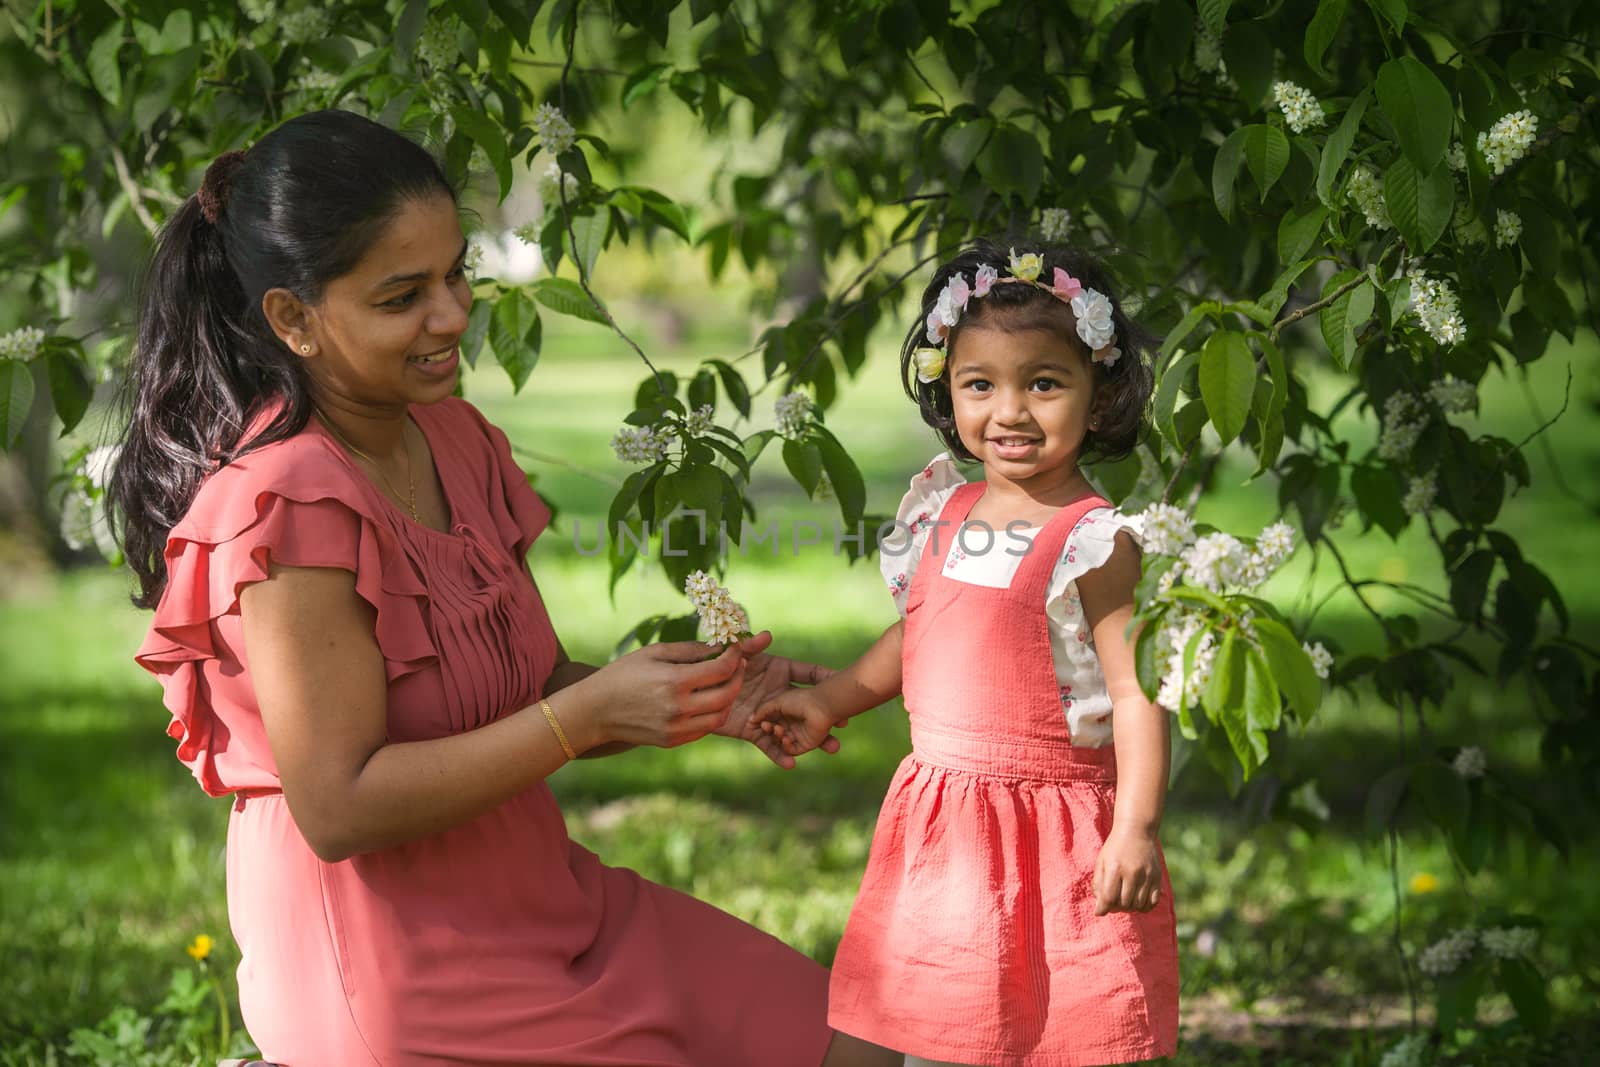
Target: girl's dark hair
x=1122, y=392
x=296, y=211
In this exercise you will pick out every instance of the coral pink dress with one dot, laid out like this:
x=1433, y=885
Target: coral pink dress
x=974, y=938
x=499, y=941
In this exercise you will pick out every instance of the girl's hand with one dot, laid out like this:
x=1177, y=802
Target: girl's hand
x=800, y=722
x=663, y=695
x=1127, y=876
x=766, y=678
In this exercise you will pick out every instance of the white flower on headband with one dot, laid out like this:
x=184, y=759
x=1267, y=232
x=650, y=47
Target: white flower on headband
x=985, y=280
x=929, y=363
x=1092, y=309
x=947, y=310
x=1026, y=267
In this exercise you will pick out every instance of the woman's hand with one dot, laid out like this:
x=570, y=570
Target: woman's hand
x=664, y=695
x=1127, y=876
x=766, y=678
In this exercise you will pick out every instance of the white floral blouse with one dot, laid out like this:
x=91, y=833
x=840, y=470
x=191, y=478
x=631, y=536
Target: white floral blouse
x=979, y=560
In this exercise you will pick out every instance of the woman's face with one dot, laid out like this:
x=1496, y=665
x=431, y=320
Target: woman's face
x=385, y=334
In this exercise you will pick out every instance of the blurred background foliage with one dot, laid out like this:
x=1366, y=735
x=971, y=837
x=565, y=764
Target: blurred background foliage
x=765, y=186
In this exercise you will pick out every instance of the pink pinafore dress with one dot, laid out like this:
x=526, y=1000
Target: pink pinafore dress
x=974, y=938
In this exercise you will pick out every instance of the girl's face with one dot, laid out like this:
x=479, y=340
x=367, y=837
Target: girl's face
x=385, y=334
x=1022, y=403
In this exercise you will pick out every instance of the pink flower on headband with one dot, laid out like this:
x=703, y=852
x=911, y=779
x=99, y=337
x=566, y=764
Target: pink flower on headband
x=1065, y=286
x=959, y=292
x=985, y=280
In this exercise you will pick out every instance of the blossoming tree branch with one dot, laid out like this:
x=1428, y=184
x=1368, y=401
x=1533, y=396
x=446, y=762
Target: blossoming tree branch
x=1343, y=220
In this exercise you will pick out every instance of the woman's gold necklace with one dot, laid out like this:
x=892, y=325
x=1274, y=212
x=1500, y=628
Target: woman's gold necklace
x=411, y=483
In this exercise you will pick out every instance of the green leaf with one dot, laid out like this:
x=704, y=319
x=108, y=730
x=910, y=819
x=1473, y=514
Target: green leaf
x=804, y=460
x=1394, y=11
x=1459, y=993
x=16, y=398
x=104, y=70
x=1185, y=327
x=477, y=329
x=1379, y=498
x=486, y=134
x=1469, y=583
x=1224, y=702
x=1147, y=665
x=1266, y=152
x=1383, y=799
x=515, y=333
x=1250, y=56
x=1227, y=379
x=1167, y=393
x=70, y=387
x=1215, y=14
x=1225, y=171
x=1262, y=705
x=1013, y=161
x=409, y=28
x=733, y=384
x=590, y=232
x=567, y=297
x=1337, y=149
x=1299, y=230
x=1419, y=204
x=642, y=82
x=848, y=486
x=1444, y=797
x=963, y=142
x=1332, y=320
x=1291, y=667
x=1418, y=106
x=1320, y=34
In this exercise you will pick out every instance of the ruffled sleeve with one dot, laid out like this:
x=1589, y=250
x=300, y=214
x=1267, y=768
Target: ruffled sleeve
x=294, y=503
x=899, y=552
x=1088, y=546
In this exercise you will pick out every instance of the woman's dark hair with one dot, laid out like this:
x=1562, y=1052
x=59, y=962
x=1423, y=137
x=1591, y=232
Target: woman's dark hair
x=296, y=211
x=1122, y=391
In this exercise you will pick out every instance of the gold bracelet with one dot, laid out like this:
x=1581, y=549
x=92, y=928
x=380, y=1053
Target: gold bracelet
x=561, y=735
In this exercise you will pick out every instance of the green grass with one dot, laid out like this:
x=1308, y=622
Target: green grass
x=111, y=857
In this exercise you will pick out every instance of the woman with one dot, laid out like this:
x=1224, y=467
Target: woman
x=351, y=646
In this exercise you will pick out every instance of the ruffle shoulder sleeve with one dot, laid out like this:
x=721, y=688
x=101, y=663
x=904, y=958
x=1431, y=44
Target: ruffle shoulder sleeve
x=296, y=503
x=900, y=551
x=1088, y=546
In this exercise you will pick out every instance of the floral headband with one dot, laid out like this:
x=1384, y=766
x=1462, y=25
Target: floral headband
x=1090, y=307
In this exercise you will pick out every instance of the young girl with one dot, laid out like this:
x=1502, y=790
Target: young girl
x=1015, y=909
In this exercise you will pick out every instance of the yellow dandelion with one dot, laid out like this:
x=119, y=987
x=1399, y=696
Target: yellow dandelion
x=1424, y=883
x=200, y=947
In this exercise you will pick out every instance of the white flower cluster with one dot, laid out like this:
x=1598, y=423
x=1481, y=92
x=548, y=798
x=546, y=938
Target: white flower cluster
x=98, y=463
x=437, y=45
x=1454, y=397
x=1300, y=109
x=556, y=134
x=258, y=10
x=1508, y=140
x=1421, y=492
x=1172, y=643
x=1470, y=762
x=303, y=26
x=1409, y=1051
x=793, y=413
x=700, y=420
x=1437, y=308
x=1507, y=943
x=1215, y=560
x=1168, y=529
x=474, y=257
x=1367, y=194
x=22, y=344
x=317, y=80
x=1273, y=546
x=1455, y=157
x=1403, y=420
x=1208, y=50
x=1446, y=955
x=550, y=191
x=824, y=488
x=1507, y=228
x=1321, y=659
x=1054, y=222
x=722, y=620
x=527, y=233
x=640, y=444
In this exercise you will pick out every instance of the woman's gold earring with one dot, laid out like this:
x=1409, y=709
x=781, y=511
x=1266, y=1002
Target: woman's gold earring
x=305, y=349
